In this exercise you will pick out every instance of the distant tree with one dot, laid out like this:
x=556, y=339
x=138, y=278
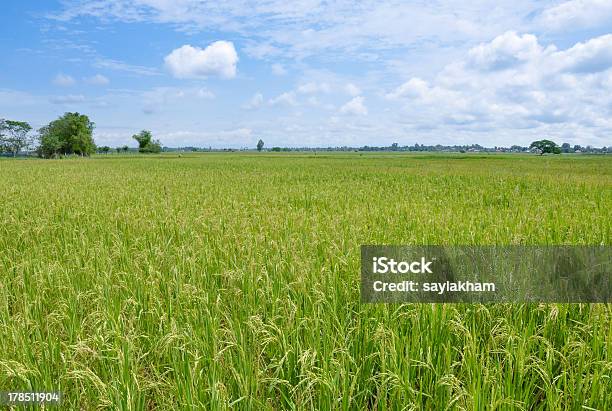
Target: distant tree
x=72, y=133
x=50, y=145
x=104, y=149
x=118, y=149
x=125, y=149
x=14, y=136
x=577, y=147
x=146, y=144
x=143, y=138
x=394, y=147
x=566, y=148
x=260, y=145
x=2, y=134
x=276, y=149
x=545, y=146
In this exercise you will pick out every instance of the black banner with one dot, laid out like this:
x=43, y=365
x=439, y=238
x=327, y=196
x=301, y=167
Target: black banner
x=446, y=274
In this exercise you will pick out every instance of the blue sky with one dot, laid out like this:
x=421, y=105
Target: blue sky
x=313, y=73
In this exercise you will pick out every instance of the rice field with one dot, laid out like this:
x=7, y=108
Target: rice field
x=231, y=280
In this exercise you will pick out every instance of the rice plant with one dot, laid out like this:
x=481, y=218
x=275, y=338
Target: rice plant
x=220, y=281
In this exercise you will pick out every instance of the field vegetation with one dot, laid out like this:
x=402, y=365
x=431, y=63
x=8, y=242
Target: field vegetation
x=216, y=281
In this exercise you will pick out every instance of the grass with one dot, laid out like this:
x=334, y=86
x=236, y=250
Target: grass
x=223, y=281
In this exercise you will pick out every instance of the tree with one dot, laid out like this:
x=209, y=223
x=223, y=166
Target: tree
x=146, y=144
x=2, y=135
x=545, y=146
x=125, y=149
x=566, y=148
x=72, y=133
x=105, y=149
x=14, y=136
x=260, y=145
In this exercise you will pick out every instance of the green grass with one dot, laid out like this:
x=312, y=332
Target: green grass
x=232, y=280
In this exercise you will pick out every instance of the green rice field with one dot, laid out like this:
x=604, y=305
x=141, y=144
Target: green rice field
x=231, y=281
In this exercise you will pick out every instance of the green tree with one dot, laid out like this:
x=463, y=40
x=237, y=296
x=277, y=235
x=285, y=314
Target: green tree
x=566, y=148
x=260, y=145
x=105, y=149
x=14, y=136
x=146, y=144
x=545, y=146
x=72, y=133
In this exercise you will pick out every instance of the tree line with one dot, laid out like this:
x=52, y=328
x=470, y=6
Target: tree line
x=70, y=134
x=539, y=146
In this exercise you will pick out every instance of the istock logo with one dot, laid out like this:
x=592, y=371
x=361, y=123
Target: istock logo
x=384, y=265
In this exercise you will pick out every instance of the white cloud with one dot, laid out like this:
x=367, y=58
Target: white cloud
x=415, y=87
x=312, y=88
x=68, y=99
x=310, y=27
x=577, y=14
x=238, y=137
x=63, y=80
x=286, y=99
x=158, y=98
x=458, y=70
x=219, y=58
x=9, y=99
x=278, y=69
x=204, y=93
x=505, y=51
x=593, y=56
x=352, y=90
x=98, y=80
x=355, y=106
x=111, y=64
x=539, y=90
x=255, y=102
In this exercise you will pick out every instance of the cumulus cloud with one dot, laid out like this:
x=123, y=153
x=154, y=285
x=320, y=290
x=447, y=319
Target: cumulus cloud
x=219, y=58
x=515, y=83
x=355, y=107
x=63, y=80
x=98, y=80
x=577, y=14
x=505, y=51
x=593, y=56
